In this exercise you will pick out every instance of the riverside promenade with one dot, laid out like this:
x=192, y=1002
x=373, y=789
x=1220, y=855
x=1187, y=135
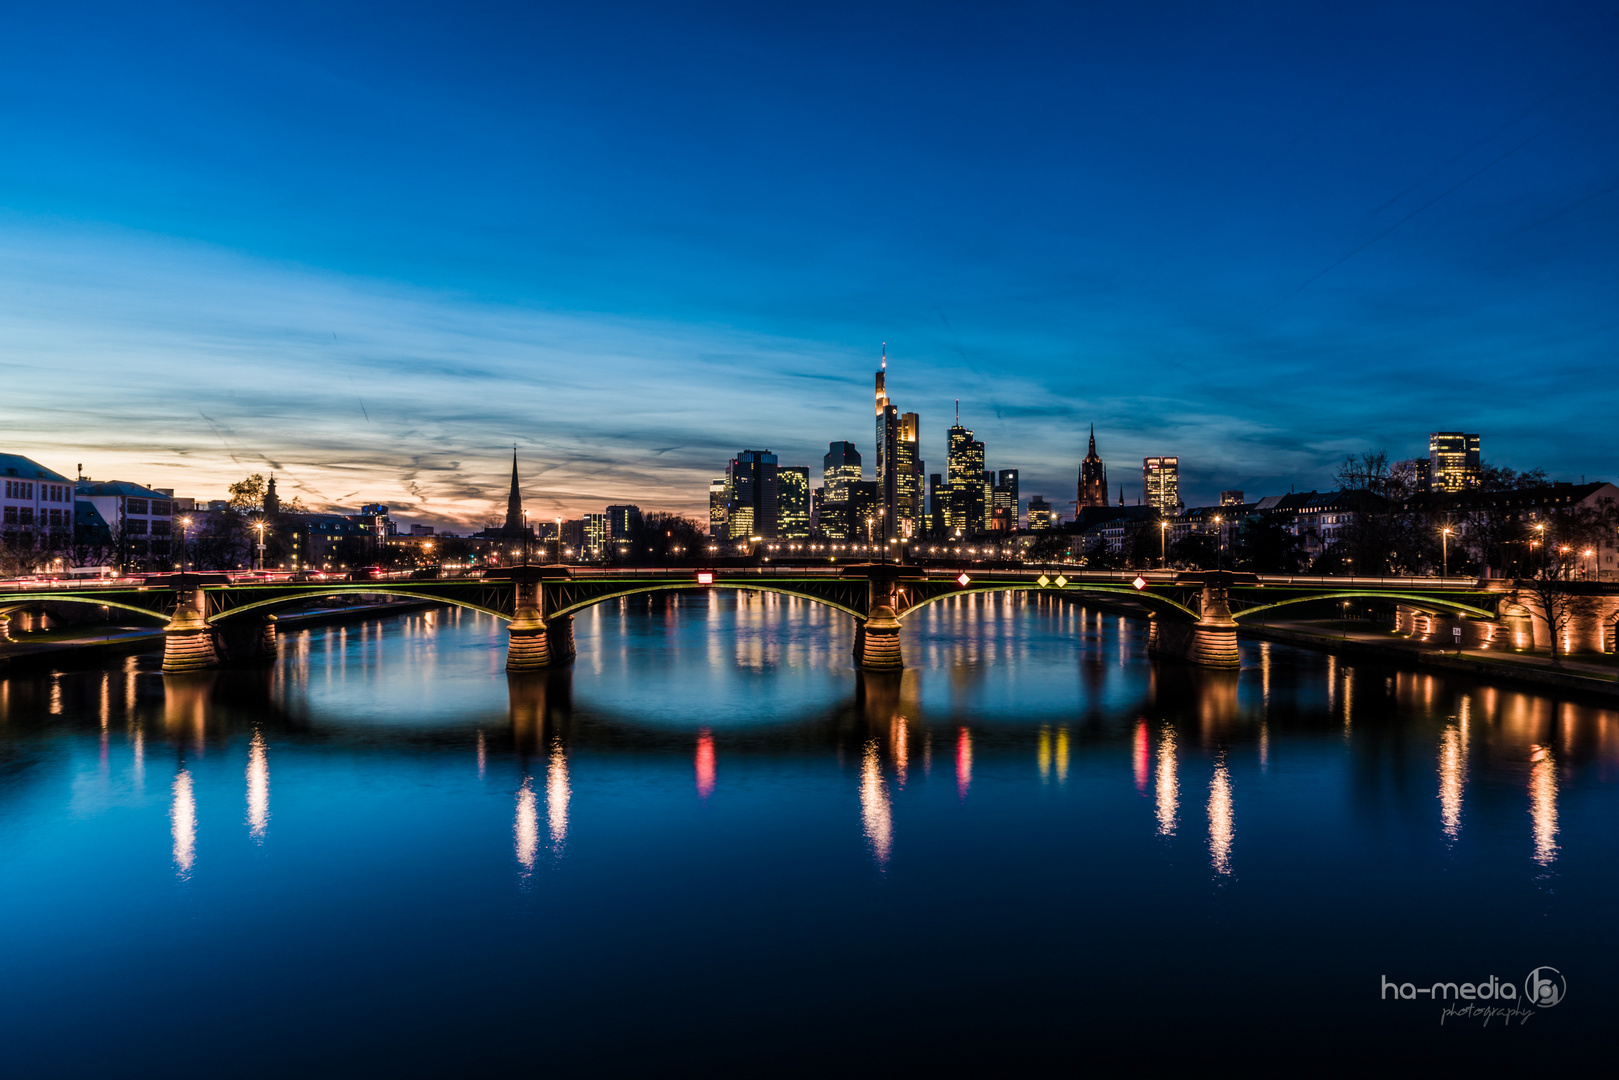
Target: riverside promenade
x=1596, y=674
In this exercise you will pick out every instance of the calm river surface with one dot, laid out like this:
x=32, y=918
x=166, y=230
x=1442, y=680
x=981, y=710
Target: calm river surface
x=712, y=847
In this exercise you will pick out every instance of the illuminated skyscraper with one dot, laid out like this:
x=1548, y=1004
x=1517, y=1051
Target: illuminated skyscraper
x=1004, y=509
x=840, y=467
x=1092, y=477
x=597, y=534
x=1041, y=517
x=717, y=494
x=1161, y=484
x=751, y=509
x=793, y=509
x=911, y=506
x=964, y=465
x=1453, y=461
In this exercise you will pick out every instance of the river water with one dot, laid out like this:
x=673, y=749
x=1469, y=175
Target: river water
x=711, y=846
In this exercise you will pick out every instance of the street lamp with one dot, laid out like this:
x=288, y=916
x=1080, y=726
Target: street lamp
x=260, y=527
x=1163, y=543
x=1444, y=548
x=1542, y=530
x=185, y=523
x=1219, y=542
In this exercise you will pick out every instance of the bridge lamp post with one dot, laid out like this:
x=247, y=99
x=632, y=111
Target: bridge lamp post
x=185, y=523
x=1588, y=553
x=1444, y=548
x=1163, y=543
x=1219, y=544
x=1541, y=529
x=260, y=527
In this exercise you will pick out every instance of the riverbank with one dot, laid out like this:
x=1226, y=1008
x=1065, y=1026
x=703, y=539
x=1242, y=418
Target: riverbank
x=1593, y=676
x=62, y=647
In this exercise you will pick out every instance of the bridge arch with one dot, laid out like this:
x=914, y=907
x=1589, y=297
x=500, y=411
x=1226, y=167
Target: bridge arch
x=389, y=591
x=689, y=586
x=1425, y=603
x=16, y=602
x=1158, y=604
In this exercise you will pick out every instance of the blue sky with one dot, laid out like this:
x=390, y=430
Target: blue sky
x=374, y=246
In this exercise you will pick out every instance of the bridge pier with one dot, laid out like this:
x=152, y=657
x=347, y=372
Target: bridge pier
x=528, y=640
x=876, y=641
x=5, y=627
x=188, y=640
x=247, y=639
x=559, y=632
x=1209, y=642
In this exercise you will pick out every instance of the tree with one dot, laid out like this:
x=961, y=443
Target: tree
x=1265, y=546
x=1548, y=591
x=1196, y=551
x=1049, y=546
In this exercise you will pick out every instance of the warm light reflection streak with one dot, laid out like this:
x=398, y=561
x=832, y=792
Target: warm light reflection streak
x=876, y=815
x=258, y=788
x=183, y=824
x=1168, y=787
x=1543, y=803
x=556, y=795
x=1220, y=824
x=527, y=828
x=705, y=763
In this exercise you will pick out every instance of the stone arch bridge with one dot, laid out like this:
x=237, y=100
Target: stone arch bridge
x=1194, y=614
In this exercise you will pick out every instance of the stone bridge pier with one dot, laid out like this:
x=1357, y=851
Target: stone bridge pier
x=1211, y=641
x=876, y=637
x=188, y=640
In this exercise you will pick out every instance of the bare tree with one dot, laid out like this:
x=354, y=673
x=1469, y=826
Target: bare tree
x=1548, y=591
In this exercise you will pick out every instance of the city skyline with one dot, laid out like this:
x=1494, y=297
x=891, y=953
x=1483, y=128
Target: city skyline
x=248, y=248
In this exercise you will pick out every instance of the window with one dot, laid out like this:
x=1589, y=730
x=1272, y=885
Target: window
x=135, y=506
x=160, y=528
x=160, y=508
x=135, y=527
x=11, y=515
x=55, y=518
x=25, y=515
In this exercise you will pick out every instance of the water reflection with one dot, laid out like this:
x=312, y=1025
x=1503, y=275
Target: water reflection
x=557, y=793
x=258, y=788
x=1453, y=774
x=1220, y=823
x=1141, y=756
x=705, y=763
x=1543, y=803
x=1168, y=786
x=183, y=824
x=899, y=739
x=876, y=814
x=964, y=762
x=526, y=830
x=483, y=755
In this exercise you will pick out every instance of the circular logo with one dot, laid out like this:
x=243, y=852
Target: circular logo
x=1545, y=986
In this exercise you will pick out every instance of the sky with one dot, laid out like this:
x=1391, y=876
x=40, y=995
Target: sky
x=374, y=247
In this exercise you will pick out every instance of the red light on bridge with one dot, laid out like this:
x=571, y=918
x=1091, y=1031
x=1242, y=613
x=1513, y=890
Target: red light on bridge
x=705, y=577
x=1139, y=583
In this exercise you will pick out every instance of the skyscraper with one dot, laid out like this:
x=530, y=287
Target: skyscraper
x=1004, y=509
x=887, y=456
x=936, y=503
x=1092, y=477
x=840, y=466
x=751, y=509
x=1453, y=461
x=793, y=508
x=717, y=493
x=964, y=465
x=1040, y=516
x=911, y=506
x=1161, y=484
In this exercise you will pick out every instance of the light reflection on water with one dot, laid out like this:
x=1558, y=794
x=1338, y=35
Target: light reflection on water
x=1067, y=752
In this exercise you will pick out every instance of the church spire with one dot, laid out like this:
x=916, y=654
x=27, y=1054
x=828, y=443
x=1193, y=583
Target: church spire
x=514, y=501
